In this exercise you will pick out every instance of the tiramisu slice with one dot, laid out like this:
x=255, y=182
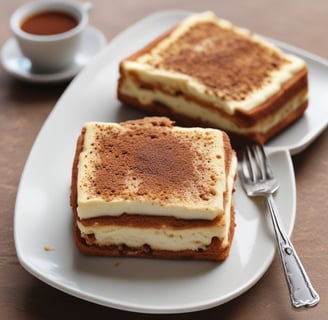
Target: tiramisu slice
x=147, y=188
x=208, y=72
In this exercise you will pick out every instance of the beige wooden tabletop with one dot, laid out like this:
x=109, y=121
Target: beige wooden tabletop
x=24, y=108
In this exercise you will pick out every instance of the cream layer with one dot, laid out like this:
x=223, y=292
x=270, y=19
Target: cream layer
x=173, y=81
x=131, y=202
x=161, y=239
x=181, y=105
x=164, y=238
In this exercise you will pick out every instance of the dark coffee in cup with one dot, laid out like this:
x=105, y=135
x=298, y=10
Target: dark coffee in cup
x=48, y=23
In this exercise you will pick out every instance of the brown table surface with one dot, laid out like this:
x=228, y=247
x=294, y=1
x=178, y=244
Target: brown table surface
x=24, y=107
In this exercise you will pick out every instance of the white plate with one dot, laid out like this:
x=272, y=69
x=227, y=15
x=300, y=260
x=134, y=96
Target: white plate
x=13, y=61
x=43, y=216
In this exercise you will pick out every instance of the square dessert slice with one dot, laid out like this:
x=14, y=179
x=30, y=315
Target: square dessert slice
x=147, y=188
x=208, y=72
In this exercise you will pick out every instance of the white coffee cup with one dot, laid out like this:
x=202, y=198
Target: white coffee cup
x=55, y=51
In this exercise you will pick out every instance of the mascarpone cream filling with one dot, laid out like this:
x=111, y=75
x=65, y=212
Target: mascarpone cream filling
x=130, y=202
x=165, y=238
x=181, y=105
x=160, y=239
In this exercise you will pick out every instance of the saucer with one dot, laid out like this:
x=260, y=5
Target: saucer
x=13, y=61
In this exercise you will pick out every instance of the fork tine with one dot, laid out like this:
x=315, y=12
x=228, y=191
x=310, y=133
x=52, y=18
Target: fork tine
x=249, y=163
x=251, y=159
x=260, y=159
x=246, y=168
x=265, y=163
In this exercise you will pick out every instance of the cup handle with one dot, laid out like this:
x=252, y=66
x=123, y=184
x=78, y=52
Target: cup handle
x=87, y=7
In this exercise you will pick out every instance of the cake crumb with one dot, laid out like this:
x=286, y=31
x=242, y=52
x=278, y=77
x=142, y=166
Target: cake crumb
x=117, y=263
x=48, y=247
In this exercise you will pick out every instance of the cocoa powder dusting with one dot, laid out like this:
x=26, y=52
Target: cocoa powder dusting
x=229, y=63
x=160, y=163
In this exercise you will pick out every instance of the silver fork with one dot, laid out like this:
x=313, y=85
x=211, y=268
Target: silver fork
x=258, y=180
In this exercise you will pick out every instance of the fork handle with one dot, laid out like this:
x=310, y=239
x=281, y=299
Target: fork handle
x=302, y=293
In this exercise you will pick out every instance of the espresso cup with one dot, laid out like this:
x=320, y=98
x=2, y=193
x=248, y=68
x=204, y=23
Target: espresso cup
x=49, y=32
